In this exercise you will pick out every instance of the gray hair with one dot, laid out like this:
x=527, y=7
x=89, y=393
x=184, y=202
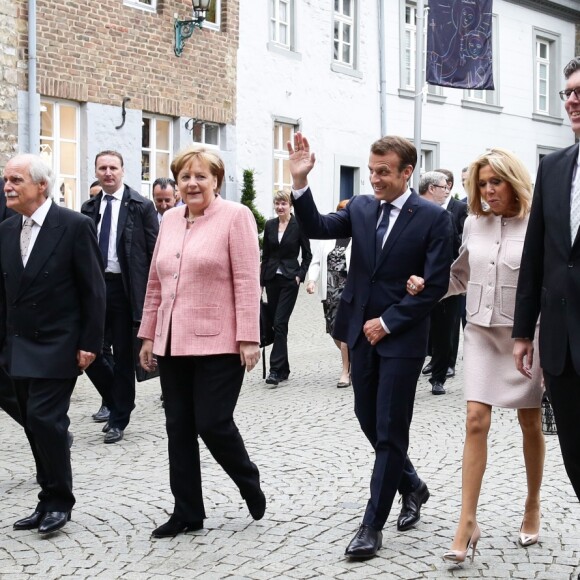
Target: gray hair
x=39, y=171
x=572, y=67
x=431, y=178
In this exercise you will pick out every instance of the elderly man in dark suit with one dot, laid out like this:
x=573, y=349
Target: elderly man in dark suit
x=549, y=283
x=394, y=233
x=127, y=230
x=51, y=323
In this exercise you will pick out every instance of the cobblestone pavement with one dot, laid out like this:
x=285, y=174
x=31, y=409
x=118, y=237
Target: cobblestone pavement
x=315, y=466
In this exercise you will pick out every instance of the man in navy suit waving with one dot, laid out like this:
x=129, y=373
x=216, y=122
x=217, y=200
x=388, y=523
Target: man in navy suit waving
x=394, y=234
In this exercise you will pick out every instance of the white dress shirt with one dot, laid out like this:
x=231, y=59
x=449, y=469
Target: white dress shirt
x=113, y=260
x=38, y=218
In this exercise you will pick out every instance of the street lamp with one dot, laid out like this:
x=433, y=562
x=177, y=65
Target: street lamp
x=184, y=28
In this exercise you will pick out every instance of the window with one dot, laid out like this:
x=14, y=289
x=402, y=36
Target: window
x=344, y=32
x=148, y=5
x=59, y=147
x=213, y=16
x=283, y=132
x=156, y=151
x=408, y=47
x=281, y=22
x=206, y=133
x=546, y=76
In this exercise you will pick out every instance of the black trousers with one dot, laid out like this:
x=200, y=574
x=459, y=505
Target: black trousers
x=461, y=321
x=200, y=394
x=44, y=405
x=444, y=318
x=282, y=294
x=116, y=382
x=384, y=394
x=564, y=392
x=8, y=402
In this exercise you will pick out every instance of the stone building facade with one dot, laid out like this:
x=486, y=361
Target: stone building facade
x=8, y=81
x=108, y=78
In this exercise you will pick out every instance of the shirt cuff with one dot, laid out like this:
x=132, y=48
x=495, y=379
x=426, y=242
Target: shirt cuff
x=385, y=327
x=296, y=193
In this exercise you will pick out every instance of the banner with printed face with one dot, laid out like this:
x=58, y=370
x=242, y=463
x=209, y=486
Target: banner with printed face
x=459, y=52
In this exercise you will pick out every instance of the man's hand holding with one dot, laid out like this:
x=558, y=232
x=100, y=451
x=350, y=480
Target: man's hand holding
x=374, y=330
x=84, y=359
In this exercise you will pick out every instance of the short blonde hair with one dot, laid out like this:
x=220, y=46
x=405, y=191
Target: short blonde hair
x=342, y=203
x=282, y=196
x=203, y=154
x=509, y=168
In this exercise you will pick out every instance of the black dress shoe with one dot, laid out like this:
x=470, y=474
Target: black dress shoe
x=106, y=427
x=411, y=510
x=257, y=505
x=29, y=523
x=102, y=415
x=437, y=388
x=53, y=521
x=365, y=544
x=272, y=379
x=428, y=369
x=174, y=527
x=113, y=435
x=450, y=372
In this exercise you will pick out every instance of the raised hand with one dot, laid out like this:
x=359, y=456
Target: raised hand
x=301, y=160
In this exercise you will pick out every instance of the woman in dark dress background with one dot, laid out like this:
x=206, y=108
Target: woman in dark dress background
x=281, y=274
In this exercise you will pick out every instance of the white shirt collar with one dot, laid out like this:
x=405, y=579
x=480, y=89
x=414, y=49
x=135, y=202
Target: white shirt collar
x=39, y=215
x=400, y=201
x=118, y=194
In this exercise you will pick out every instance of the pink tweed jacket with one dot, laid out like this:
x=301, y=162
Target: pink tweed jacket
x=204, y=282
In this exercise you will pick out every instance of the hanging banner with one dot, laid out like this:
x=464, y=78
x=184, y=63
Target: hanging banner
x=459, y=50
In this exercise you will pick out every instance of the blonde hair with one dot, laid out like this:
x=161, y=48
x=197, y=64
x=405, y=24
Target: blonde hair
x=282, y=196
x=342, y=204
x=203, y=154
x=509, y=168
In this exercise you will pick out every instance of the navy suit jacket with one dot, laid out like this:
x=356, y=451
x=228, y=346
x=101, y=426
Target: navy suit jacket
x=549, y=280
x=420, y=243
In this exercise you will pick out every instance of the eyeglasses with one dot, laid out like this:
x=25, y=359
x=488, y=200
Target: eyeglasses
x=567, y=93
x=441, y=186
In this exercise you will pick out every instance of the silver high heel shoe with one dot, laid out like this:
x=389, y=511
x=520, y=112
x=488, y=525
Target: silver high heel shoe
x=458, y=556
x=526, y=539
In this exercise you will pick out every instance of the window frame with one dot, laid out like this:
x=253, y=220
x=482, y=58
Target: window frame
x=554, y=41
x=141, y=5
x=218, y=17
x=55, y=163
x=204, y=125
x=352, y=67
x=280, y=156
x=153, y=150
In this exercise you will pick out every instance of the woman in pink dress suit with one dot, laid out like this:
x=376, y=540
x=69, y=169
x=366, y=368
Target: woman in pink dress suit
x=487, y=270
x=201, y=324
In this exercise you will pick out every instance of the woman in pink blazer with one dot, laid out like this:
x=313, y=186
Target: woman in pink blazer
x=201, y=324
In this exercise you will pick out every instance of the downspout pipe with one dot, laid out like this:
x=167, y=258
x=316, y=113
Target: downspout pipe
x=419, y=61
x=382, y=70
x=33, y=100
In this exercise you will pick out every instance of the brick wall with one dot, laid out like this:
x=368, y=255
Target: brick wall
x=8, y=81
x=104, y=51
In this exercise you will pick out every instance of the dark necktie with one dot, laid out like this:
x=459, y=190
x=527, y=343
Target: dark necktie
x=106, y=229
x=382, y=229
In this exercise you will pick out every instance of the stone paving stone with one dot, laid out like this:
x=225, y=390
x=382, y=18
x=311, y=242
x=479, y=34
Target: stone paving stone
x=315, y=466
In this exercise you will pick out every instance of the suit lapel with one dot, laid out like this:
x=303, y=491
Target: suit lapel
x=405, y=216
x=123, y=214
x=48, y=238
x=371, y=219
x=563, y=190
x=12, y=259
x=289, y=228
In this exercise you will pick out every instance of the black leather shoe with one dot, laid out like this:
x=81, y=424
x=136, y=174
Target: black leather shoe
x=106, y=427
x=257, y=505
x=411, y=510
x=174, y=527
x=113, y=435
x=53, y=521
x=450, y=372
x=365, y=544
x=29, y=523
x=437, y=388
x=102, y=415
x=428, y=369
x=272, y=379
